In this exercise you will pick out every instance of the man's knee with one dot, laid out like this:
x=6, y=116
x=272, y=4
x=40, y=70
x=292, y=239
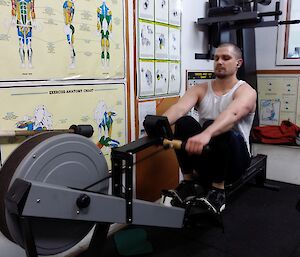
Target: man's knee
x=186, y=127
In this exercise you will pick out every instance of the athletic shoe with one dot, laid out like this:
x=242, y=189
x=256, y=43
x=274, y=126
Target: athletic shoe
x=184, y=192
x=214, y=200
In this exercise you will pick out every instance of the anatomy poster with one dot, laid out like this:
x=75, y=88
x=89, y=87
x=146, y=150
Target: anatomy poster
x=146, y=9
x=58, y=107
x=61, y=39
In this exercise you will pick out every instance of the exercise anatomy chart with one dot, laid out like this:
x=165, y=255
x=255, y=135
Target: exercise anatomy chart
x=61, y=39
x=58, y=107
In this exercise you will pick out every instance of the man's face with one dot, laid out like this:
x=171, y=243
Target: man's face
x=226, y=62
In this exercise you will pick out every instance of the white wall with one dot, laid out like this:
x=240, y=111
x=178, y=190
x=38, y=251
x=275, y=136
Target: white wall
x=266, y=42
x=192, y=40
x=282, y=162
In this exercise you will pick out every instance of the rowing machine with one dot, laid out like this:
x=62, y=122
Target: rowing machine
x=47, y=205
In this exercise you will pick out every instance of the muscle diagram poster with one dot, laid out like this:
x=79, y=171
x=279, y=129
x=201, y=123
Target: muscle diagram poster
x=58, y=107
x=159, y=48
x=61, y=39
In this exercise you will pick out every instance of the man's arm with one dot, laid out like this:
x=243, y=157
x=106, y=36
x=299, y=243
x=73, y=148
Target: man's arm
x=244, y=103
x=191, y=97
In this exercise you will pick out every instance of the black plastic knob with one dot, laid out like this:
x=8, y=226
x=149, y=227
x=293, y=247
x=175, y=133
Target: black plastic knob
x=83, y=201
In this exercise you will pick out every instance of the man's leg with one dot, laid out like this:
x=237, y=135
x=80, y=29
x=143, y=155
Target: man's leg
x=228, y=159
x=186, y=127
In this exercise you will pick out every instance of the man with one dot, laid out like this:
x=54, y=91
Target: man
x=226, y=108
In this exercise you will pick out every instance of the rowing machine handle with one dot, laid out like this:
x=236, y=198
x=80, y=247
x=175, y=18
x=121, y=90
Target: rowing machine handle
x=180, y=145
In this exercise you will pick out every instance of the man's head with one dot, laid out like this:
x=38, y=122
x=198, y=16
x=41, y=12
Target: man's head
x=227, y=60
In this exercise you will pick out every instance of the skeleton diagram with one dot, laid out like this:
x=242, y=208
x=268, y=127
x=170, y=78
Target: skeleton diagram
x=69, y=9
x=23, y=16
x=104, y=27
x=104, y=119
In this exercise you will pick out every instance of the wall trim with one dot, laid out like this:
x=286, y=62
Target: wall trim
x=278, y=71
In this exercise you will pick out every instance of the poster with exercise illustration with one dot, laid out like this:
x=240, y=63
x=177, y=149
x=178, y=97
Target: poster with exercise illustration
x=62, y=39
x=159, y=48
x=146, y=9
x=53, y=107
x=146, y=30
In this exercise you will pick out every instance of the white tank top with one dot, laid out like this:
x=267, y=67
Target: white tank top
x=212, y=105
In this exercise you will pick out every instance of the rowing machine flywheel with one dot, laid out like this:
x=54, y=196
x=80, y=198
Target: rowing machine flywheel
x=59, y=159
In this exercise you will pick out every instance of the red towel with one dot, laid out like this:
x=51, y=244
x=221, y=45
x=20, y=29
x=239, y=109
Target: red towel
x=284, y=134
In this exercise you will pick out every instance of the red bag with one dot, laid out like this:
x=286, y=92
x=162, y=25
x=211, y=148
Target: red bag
x=284, y=134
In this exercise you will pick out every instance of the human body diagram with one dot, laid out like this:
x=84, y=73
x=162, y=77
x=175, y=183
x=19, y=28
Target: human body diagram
x=104, y=27
x=23, y=17
x=41, y=120
x=68, y=10
x=105, y=119
x=42, y=40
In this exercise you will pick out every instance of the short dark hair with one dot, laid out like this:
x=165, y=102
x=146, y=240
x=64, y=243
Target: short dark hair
x=236, y=49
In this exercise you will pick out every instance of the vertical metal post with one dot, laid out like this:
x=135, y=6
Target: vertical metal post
x=261, y=177
x=116, y=163
x=129, y=187
x=123, y=162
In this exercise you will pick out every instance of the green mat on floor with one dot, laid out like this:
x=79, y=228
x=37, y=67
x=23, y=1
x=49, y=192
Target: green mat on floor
x=132, y=242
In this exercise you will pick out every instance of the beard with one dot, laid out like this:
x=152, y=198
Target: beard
x=221, y=73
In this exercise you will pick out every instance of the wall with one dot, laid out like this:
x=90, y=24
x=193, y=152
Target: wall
x=282, y=163
x=193, y=41
x=266, y=39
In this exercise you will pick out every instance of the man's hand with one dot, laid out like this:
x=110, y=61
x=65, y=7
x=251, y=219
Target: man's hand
x=195, y=144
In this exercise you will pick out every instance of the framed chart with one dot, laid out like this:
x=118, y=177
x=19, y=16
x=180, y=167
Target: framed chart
x=62, y=39
x=159, y=48
x=58, y=107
